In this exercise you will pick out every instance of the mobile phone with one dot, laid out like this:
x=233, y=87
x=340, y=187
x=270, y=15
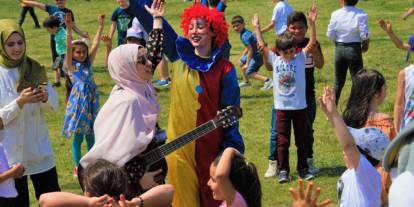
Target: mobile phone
x=42, y=86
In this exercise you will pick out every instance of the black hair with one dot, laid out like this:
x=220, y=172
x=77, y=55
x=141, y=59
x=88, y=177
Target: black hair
x=237, y=19
x=244, y=178
x=103, y=177
x=285, y=41
x=213, y=3
x=297, y=16
x=51, y=21
x=139, y=41
x=350, y=2
x=365, y=84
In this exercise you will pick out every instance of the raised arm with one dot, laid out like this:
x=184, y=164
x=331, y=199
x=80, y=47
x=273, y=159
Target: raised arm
x=68, y=56
x=160, y=195
x=387, y=27
x=156, y=36
x=312, y=15
x=268, y=27
x=108, y=46
x=222, y=173
x=78, y=31
x=64, y=199
x=399, y=101
x=318, y=56
x=408, y=13
x=97, y=38
x=328, y=106
x=36, y=4
x=261, y=44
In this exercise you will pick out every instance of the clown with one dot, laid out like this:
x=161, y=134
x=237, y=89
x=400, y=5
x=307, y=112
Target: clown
x=203, y=82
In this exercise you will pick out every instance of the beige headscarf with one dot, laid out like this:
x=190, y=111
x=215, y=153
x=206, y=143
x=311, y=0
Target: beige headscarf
x=31, y=73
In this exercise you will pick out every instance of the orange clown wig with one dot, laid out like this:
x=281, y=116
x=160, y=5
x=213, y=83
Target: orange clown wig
x=214, y=19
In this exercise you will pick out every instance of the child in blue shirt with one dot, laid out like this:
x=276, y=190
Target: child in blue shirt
x=251, y=60
x=52, y=25
x=121, y=21
x=290, y=96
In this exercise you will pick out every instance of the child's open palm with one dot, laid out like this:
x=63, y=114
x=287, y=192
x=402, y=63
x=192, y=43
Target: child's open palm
x=256, y=20
x=157, y=8
x=301, y=198
x=327, y=102
x=313, y=14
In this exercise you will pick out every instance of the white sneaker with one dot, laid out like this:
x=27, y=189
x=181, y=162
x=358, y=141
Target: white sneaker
x=245, y=84
x=267, y=85
x=311, y=167
x=272, y=169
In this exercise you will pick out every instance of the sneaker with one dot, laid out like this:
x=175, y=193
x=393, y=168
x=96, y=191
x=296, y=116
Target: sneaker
x=311, y=167
x=57, y=84
x=163, y=82
x=283, y=177
x=306, y=175
x=267, y=85
x=245, y=84
x=75, y=172
x=272, y=169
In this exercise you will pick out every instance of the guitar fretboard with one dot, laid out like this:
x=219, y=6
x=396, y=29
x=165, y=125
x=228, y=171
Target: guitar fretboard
x=158, y=153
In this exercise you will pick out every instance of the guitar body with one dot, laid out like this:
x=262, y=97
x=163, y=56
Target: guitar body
x=137, y=167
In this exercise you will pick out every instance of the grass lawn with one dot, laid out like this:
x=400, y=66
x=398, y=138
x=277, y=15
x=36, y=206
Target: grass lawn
x=255, y=124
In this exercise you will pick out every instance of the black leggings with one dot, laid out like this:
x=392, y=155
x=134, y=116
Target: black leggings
x=43, y=183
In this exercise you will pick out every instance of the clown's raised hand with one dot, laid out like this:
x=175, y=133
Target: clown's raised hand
x=157, y=8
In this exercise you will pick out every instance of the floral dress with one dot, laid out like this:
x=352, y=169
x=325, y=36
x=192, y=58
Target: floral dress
x=83, y=102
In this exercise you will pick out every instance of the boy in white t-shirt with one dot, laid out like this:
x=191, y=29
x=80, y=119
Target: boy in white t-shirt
x=279, y=17
x=7, y=175
x=289, y=89
x=360, y=184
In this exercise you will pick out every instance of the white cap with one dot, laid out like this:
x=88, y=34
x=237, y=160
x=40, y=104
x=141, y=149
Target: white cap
x=372, y=140
x=135, y=32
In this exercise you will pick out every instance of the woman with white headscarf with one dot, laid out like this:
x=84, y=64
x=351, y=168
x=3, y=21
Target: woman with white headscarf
x=125, y=125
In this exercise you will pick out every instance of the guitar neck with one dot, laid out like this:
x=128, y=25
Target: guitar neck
x=158, y=153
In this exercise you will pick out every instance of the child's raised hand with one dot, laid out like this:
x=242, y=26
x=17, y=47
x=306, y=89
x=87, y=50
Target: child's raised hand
x=313, y=14
x=157, y=8
x=385, y=25
x=106, y=40
x=68, y=19
x=327, y=102
x=301, y=198
x=18, y=170
x=101, y=19
x=256, y=20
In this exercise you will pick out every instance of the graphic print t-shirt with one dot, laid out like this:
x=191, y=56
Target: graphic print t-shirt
x=123, y=22
x=289, y=84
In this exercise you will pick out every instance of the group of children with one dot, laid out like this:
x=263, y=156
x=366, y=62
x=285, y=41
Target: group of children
x=362, y=131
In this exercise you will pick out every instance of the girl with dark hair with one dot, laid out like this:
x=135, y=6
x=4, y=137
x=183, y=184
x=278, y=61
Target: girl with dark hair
x=106, y=183
x=234, y=180
x=82, y=94
x=367, y=94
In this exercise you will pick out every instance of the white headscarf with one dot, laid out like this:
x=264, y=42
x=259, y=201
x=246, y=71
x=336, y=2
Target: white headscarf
x=126, y=123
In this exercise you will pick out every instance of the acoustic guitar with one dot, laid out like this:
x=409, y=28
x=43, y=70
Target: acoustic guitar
x=152, y=158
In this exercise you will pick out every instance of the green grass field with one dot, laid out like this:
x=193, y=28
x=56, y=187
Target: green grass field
x=255, y=124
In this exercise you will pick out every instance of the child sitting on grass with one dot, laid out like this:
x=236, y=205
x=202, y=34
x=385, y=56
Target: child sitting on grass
x=360, y=184
x=7, y=175
x=235, y=181
x=251, y=60
x=106, y=183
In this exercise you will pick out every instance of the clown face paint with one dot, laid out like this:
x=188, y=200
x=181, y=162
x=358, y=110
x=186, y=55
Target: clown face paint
x=199, y=34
